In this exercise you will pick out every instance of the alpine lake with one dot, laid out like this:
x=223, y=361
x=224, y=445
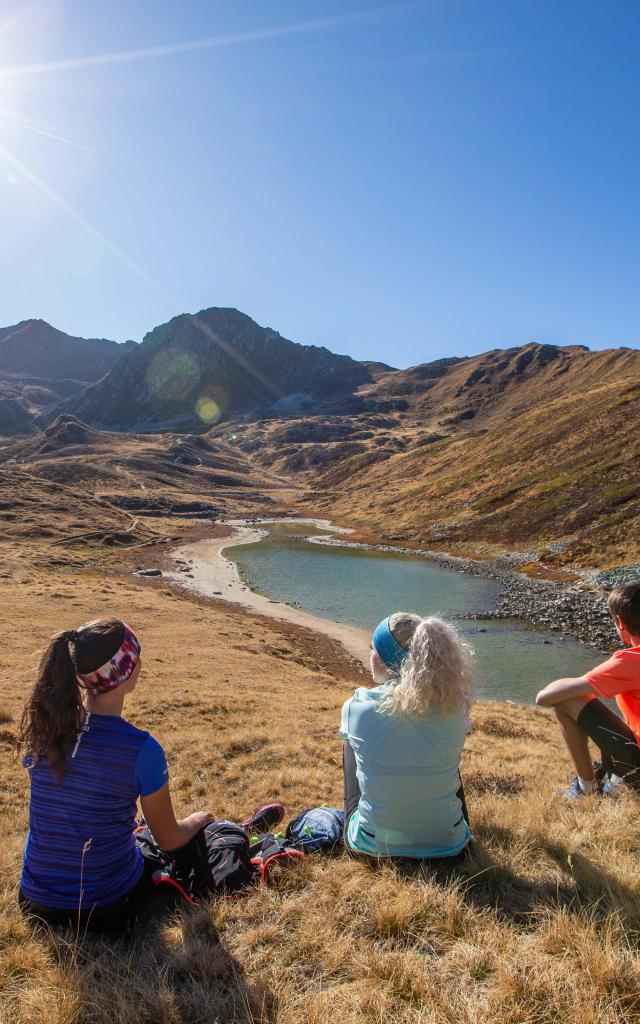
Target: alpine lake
x=360, y=587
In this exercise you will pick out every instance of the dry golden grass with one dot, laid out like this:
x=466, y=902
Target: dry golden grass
x=541, y=924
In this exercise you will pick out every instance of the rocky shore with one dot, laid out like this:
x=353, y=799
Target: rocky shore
x=578, y=609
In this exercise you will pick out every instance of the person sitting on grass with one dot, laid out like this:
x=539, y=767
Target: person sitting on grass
x=582, y=716
x=88, y=767
x=403, y=740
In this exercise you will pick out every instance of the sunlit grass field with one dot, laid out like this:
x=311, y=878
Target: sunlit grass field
x=540, y=924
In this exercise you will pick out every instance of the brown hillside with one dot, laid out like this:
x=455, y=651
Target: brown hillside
x=71, y=487
x=36, y=393
x=513, y=448
x=23, y=398
x=518, y=448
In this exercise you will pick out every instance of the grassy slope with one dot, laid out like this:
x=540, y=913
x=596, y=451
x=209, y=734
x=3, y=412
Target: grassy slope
x=57, y=490
x=508, y=449
x=551, y=472
x=541, y=925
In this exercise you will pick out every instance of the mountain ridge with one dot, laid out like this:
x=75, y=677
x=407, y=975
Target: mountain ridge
x=35, y=347
x=197, y=368
x=530, y=447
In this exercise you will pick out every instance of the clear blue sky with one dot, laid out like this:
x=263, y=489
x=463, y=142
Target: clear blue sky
x=398, y=181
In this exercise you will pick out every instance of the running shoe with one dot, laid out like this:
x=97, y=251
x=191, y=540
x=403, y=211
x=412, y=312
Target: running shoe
x=610, y=789
x=264, y=818
x=576, y=792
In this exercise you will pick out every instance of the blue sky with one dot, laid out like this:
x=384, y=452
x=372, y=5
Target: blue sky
x=397, y=181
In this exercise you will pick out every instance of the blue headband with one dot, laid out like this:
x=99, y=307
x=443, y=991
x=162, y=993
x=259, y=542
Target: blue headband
x=386, y=645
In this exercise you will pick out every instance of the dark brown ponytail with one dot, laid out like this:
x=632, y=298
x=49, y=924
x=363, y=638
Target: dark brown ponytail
x=55, y=711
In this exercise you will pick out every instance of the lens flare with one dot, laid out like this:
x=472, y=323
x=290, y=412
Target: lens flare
x=172, y=375
x=208, y=409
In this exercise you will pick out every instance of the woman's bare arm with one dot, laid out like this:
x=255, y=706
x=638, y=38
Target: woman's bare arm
x=168, y=832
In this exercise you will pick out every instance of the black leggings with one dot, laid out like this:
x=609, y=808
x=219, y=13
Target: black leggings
x=352, y=788
x=619, y=747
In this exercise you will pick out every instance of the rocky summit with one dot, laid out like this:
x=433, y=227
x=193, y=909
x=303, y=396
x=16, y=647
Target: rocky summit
x=217, y=364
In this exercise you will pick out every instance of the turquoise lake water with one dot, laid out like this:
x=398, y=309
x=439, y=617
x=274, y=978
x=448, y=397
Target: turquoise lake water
x=361, y=587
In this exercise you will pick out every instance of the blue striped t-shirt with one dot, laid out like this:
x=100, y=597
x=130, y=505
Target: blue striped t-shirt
x=81, y=828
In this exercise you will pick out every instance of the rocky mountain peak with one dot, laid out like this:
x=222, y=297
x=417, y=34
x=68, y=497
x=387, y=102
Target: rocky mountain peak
x=198, y=368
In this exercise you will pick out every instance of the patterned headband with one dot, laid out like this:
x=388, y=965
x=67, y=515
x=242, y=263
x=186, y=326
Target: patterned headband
x=118, y=669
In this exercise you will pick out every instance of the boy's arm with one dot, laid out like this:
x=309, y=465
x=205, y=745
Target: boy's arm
x=564, y=689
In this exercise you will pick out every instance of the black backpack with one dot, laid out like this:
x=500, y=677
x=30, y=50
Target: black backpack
x=217, y=859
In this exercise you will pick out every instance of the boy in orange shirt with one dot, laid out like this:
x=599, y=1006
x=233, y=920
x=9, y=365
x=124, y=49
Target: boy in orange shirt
x=582, y=716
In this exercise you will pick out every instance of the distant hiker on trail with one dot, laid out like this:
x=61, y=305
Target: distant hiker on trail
x=403, y=740
x=83, y=865
x=583, y=717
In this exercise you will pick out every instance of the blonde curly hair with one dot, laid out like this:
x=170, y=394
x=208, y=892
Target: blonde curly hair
x=437, y=672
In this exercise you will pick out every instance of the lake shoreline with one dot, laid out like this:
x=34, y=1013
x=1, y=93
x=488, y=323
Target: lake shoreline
x=203, y=569
x=576, y=610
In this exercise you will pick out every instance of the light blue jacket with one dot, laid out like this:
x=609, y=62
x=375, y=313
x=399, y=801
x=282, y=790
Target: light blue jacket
x=408, y=771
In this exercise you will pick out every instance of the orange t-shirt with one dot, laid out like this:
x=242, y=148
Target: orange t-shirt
x=619, y=677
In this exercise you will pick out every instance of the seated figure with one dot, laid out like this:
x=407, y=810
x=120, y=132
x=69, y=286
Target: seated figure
x=88, y=766
x=582, y=716
x=403, y=740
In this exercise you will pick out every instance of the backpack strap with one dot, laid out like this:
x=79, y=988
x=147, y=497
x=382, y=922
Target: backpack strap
x=161, y=878
x=269, y=849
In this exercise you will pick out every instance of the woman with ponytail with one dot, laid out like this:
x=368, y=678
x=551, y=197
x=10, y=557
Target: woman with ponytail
x=403, y=740
x=88, y=767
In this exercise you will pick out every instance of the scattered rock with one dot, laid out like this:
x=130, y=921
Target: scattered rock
x=148, y=572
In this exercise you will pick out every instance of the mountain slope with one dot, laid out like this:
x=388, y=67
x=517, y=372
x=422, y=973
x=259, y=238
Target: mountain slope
x=24, y=398
x=517, y=447
x=114, y=465
x=36, y=348
x=531, y=447
x=193, y=370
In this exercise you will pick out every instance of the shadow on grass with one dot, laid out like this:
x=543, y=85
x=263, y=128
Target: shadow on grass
x=486, y=880
x=173, y=970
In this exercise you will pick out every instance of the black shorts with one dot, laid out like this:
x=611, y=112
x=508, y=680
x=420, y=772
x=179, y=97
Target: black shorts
x=618, y=745
x=114, y=917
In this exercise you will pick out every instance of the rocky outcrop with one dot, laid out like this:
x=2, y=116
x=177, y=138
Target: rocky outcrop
x=65, y=432
x=35, y=347
x=218, y=364
x=15, y=419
